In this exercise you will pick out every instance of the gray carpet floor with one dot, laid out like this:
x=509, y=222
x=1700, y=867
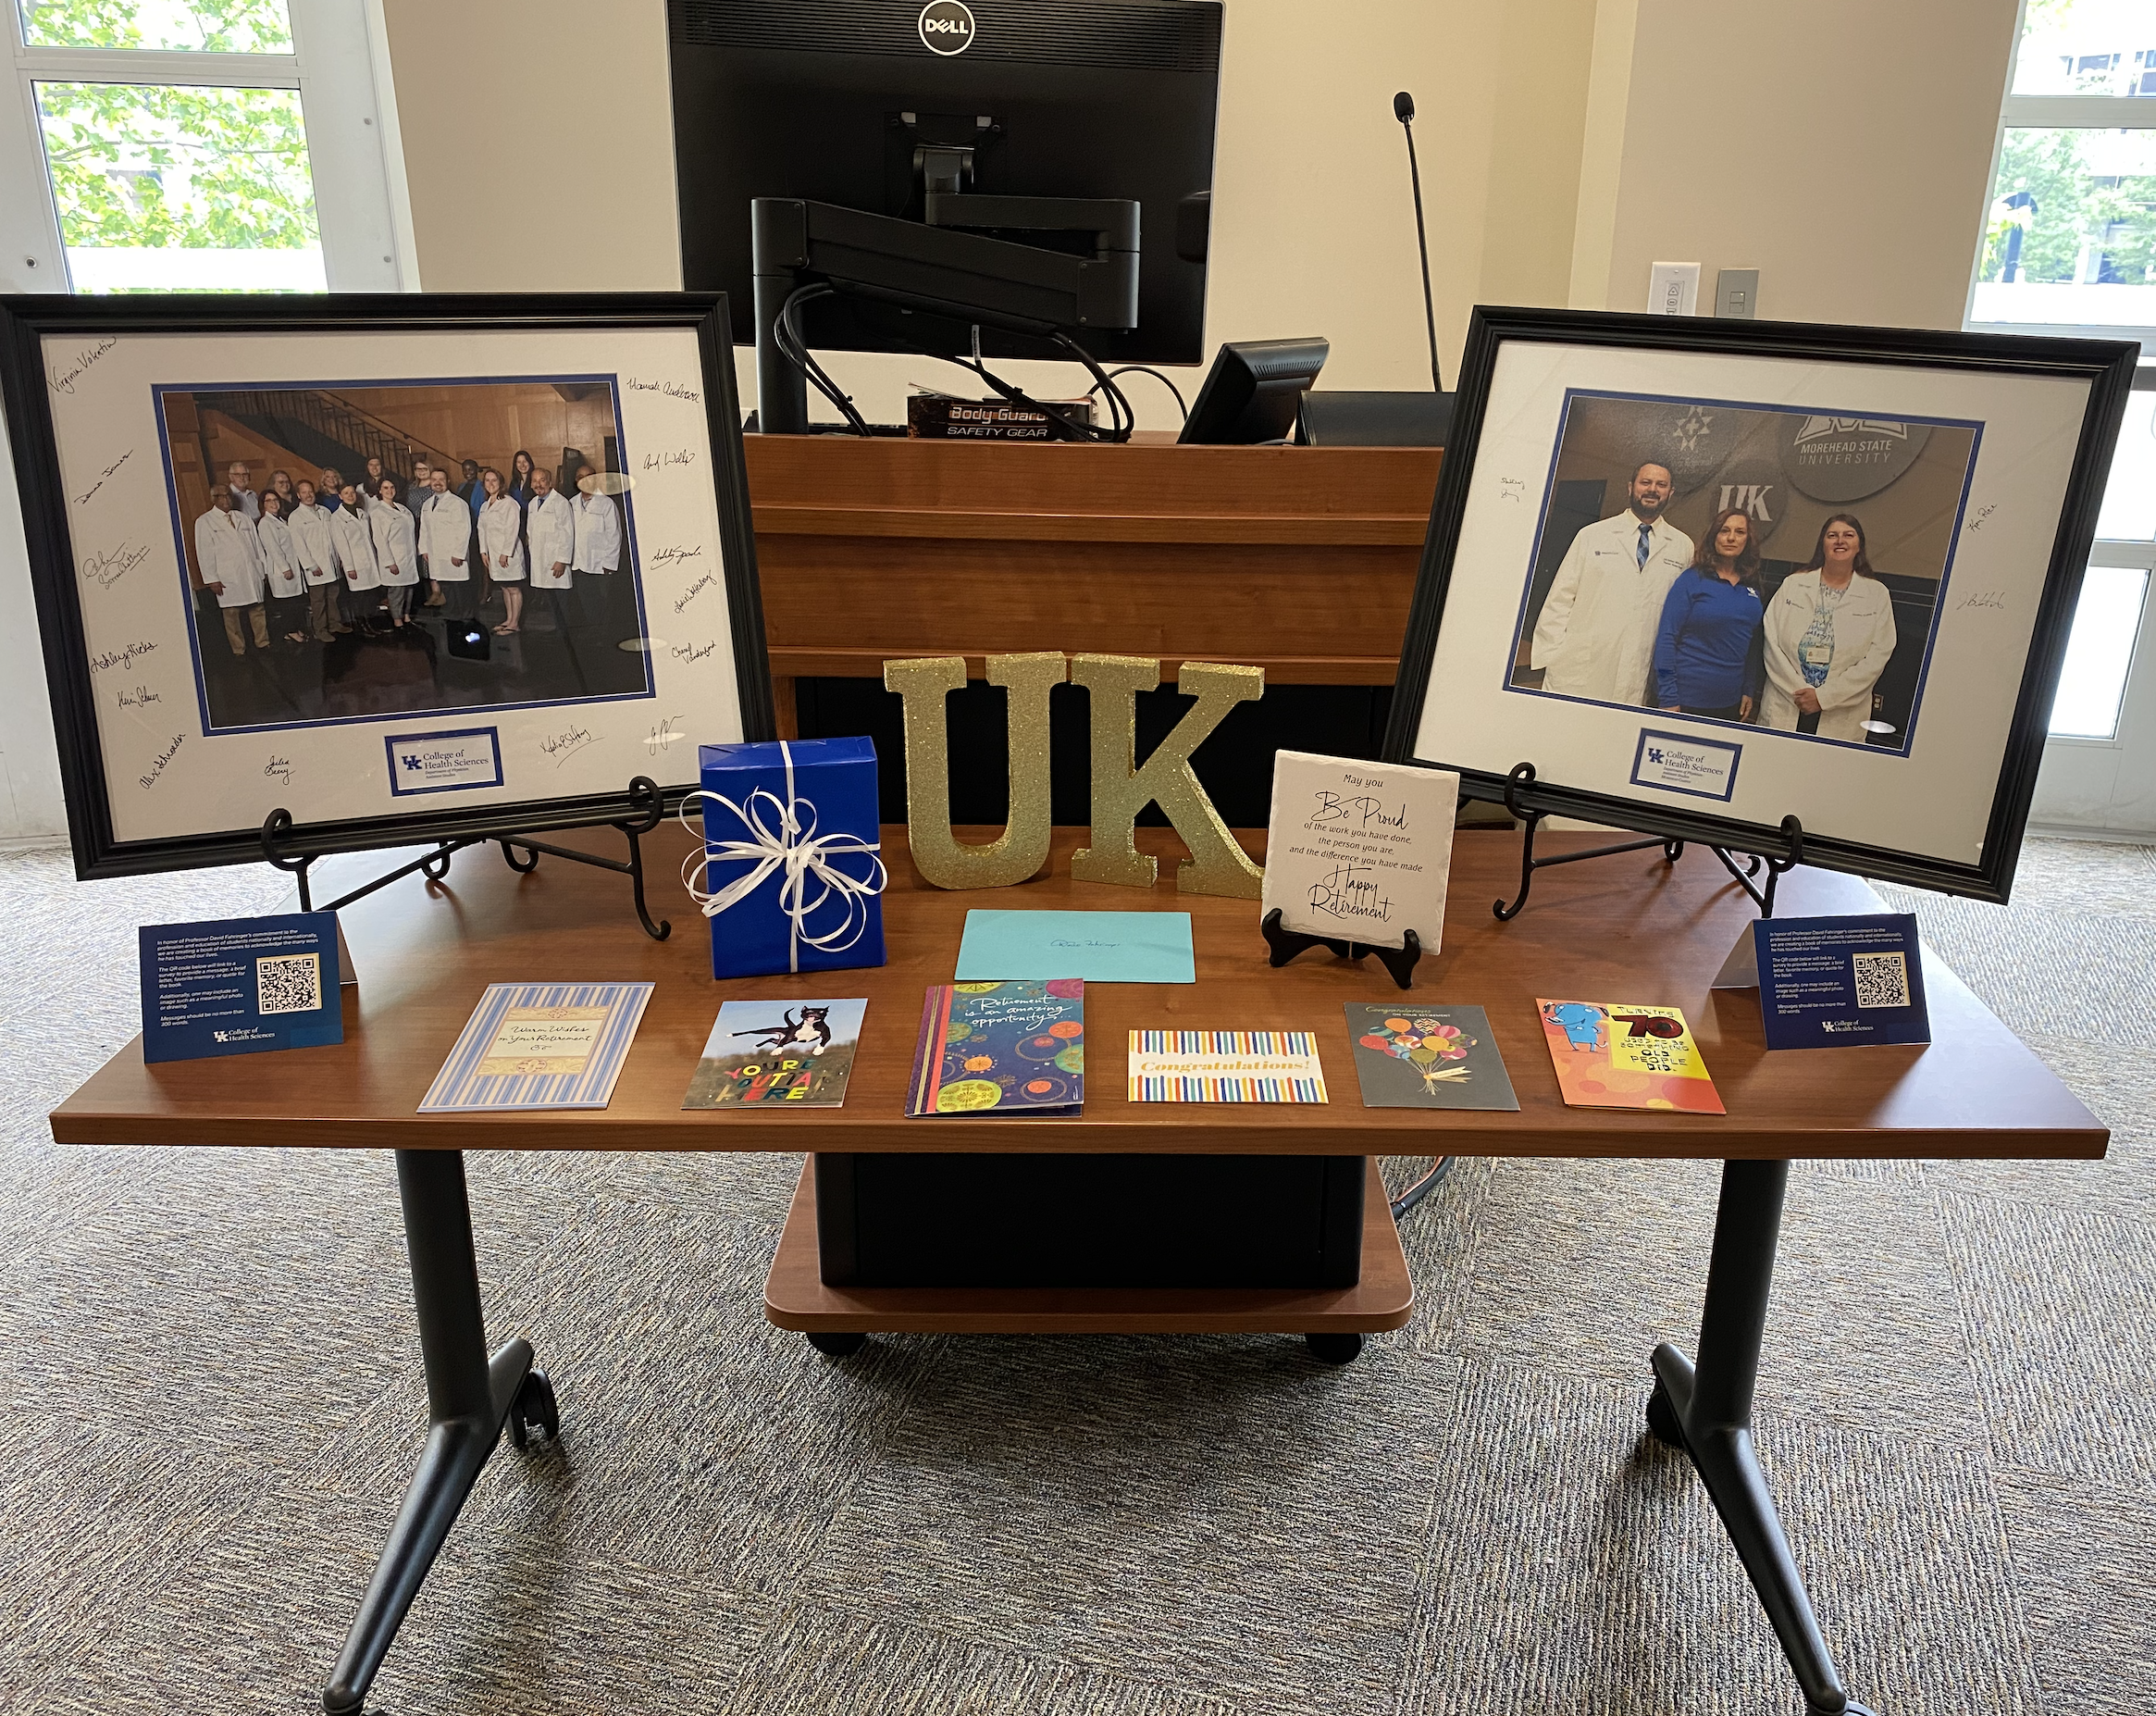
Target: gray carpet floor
x=209, y=1396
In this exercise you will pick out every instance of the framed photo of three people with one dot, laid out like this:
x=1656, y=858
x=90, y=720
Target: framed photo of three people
x=1702, y=575
x=405, y=569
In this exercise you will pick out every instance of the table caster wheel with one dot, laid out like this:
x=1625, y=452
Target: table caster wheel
x=837, y=1345
x=534, y=1409
x=1662, y=1419
x=1335, y=1349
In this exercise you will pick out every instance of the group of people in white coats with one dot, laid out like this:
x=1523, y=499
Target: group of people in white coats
x=1637, y=614
x=309, y=561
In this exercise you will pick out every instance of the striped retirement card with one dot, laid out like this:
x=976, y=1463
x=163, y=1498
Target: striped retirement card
x=540, y=1045
x=1225, y=1066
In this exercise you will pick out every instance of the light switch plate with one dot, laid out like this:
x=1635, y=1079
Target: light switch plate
x=1737, y=293
x=1674, y=289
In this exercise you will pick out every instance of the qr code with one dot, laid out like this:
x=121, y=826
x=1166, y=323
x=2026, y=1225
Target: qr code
x=288, y=983
x=1882, y=980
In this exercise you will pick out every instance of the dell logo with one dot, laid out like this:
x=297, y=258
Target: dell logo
x=946, y=27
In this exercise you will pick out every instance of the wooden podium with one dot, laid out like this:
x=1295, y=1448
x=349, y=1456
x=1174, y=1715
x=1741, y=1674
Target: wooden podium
x=1298, y=560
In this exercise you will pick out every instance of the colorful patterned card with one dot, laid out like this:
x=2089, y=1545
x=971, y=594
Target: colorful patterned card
x=1622, y=1054
x=1225, y=1066
x=539, y=1045
x=1001, y=1048
x=768, y=1054
x=1426, y=1057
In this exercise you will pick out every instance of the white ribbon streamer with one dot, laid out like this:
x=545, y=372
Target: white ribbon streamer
x=791, y=847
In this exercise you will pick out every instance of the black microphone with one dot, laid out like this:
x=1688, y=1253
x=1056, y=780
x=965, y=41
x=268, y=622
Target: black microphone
x=1404, y=111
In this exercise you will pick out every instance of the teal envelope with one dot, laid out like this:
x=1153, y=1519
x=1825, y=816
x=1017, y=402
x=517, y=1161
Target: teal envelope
x=1100, y=947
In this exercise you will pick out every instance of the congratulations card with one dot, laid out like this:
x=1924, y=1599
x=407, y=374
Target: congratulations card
x=1225, y=1066
x=766, y=1054
x=1426, y=1057
x=1626, y=1054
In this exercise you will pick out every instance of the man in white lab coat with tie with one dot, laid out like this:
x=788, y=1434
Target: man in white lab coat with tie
x=549, y=530
x=598, y=548
x=1596, y=635
x=231, y=561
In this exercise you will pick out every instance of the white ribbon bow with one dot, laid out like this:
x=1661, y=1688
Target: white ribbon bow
x=793, y=847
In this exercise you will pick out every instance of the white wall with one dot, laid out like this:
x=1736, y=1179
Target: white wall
x=31, y=806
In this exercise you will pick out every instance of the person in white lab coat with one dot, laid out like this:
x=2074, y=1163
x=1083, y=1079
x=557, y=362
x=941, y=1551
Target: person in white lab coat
x=230, y=560
x=445, y=546
x=396, y=535
x=1596, y=635
x=281, y=569
x=1829, y=634
x=501, y=545
x=356, y=555
x=316, y=553
x=550, y=536
x=597, y=546
x=244, y=499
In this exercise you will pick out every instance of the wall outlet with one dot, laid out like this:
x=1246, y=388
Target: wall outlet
x=1674, y=289
x=1737, y=293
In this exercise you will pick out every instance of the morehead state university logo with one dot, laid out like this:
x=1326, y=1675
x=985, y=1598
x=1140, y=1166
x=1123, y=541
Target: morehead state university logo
x=946, y=27
x=1845, y=458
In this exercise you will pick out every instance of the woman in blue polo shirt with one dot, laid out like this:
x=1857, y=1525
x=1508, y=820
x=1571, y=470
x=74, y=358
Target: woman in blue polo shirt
x=1707, y=650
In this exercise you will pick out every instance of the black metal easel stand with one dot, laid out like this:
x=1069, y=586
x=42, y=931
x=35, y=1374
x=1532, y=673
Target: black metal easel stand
x=644, y=795
x=470, y=1395
x=1286, y=943
x=1706, y=1409
x=1523, y=774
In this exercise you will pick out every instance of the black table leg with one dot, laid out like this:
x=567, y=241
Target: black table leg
x=469, y=1398
x=1706, y=1411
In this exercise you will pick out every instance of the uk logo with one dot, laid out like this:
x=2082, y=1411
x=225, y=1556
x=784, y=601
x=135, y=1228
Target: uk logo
x=1654, y=753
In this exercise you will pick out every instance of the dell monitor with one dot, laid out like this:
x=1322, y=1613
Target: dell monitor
x=962, y=122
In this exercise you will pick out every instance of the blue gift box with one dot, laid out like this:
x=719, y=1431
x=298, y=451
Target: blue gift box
x=791, y=872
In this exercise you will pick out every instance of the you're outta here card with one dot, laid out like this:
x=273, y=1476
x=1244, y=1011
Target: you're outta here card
x=1426, y=1057
x=1624, y=1054
x=1840, y=982
x=240, y=986
x=766, y=1054
x=1002, y=1048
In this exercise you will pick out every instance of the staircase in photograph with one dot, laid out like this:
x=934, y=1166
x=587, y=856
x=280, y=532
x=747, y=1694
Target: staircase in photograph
x=324, y=429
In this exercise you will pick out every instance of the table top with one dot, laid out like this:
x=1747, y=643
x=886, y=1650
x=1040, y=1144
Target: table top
x=1626, y=929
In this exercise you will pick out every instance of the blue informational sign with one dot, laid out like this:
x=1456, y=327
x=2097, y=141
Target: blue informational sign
x=240, y=986
x=1840, y=982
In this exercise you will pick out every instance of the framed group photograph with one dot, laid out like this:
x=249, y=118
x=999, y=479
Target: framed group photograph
x=404, y=567
x=1702, y=575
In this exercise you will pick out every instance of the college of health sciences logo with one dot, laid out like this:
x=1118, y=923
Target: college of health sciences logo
x=1846, y=459
x=946, y=27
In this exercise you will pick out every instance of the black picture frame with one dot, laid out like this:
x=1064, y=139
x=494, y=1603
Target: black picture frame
x=25, y=322
x=2106, y=365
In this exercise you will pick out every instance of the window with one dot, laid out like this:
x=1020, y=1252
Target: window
x=2069, y=247
x=182, y=145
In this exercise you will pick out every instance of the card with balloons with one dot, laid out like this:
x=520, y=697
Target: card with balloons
x=1426, y=1057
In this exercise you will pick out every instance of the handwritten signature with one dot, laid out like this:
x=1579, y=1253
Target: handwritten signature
x=106, y=570
x=693, y=652
x=563, y=746
x=1511, y=489
x=663, y=734
x=658, y=461
x=159, y=763
x=278, y=769
x=669, y=556
x=673, y=390
x=1348, y=892
x=140, y=698
x=1982, y=599
x=83, y=499
x=64, y=380
x=693, y=592
x=120, y=657
x=1982, y=516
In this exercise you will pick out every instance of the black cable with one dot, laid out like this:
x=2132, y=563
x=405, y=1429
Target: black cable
x=1122, y=418
x=1422, y=1188
x=786, y=335
x=1422, y=238
x=1148, y=369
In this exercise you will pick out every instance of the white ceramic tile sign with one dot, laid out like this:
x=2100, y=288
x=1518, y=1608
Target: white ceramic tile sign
x=1359, y=851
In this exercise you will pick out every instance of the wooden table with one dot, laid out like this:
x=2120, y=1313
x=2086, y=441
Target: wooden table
x=1625, y=928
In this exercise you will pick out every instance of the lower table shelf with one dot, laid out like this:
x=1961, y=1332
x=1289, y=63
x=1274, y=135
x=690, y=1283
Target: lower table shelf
x=796, y=1298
